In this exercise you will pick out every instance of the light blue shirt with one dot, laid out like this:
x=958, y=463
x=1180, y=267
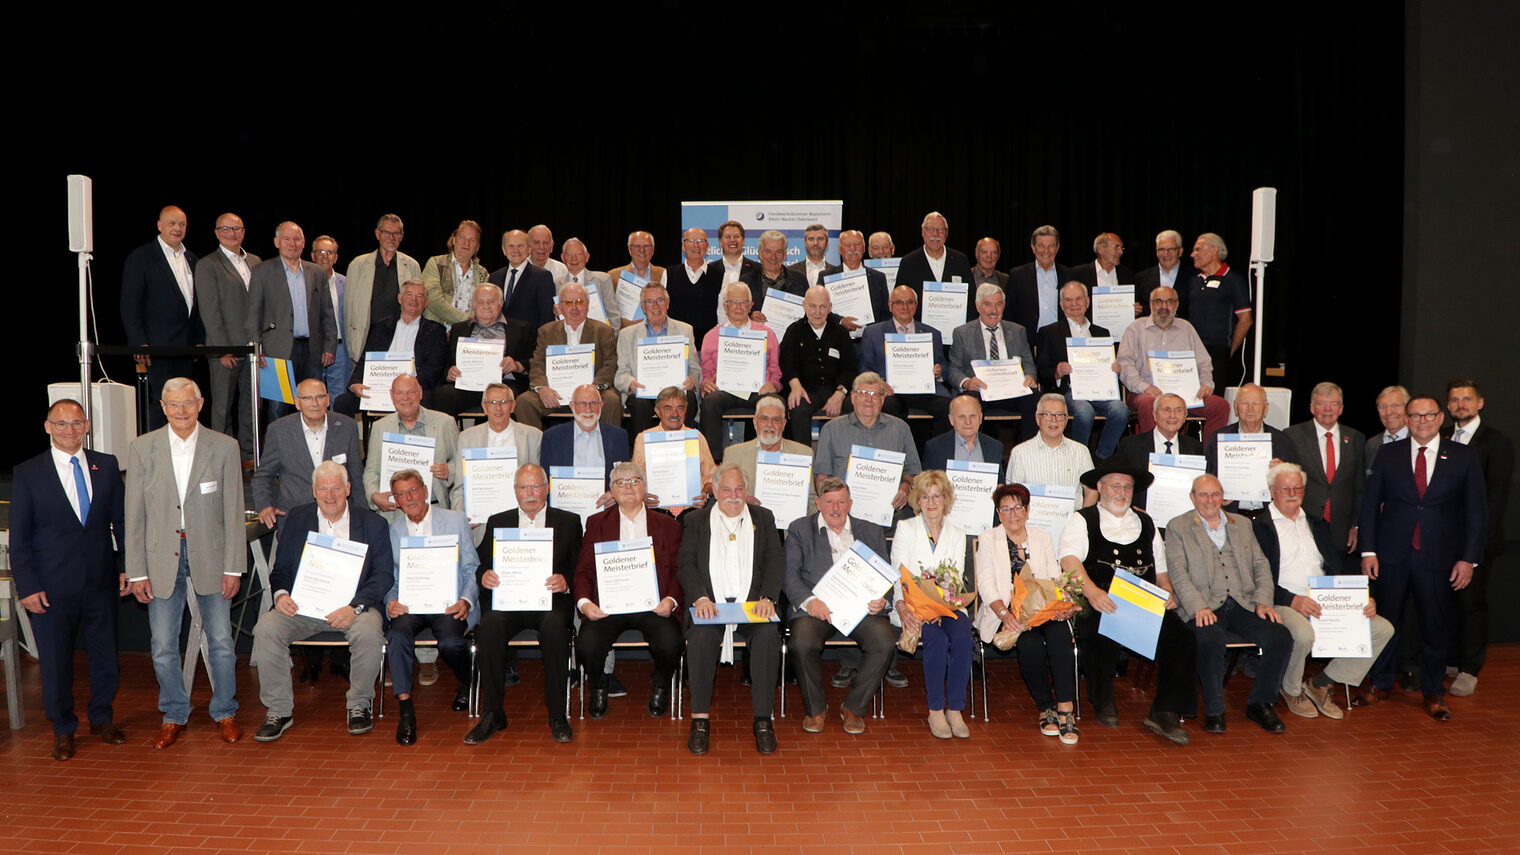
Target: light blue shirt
x=588, y=447
x=973, y=453
x=1050, y=295
x=297, y=283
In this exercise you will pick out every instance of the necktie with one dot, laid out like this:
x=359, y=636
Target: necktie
x=1168, y=446
x=82, y=489
x=511, y=282
x=1387, y=437
x=1421, y=480
x=1329, y=467
x=992, y=343
x=1457, y=437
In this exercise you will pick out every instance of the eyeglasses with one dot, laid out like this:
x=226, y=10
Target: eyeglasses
x=407, y=494
x=497, y=402
x=1011, y=509
x=180, y=405
x=1052, y=416
x=229, y=228
x=1424, y=417
x=391, y=233
x=63, y=425
x=312, y=398
x=870, y=393
x=1159, y=302
x=627, y=482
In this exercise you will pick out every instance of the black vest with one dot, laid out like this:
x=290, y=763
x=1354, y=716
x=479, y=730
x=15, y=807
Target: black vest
x=1103, y=554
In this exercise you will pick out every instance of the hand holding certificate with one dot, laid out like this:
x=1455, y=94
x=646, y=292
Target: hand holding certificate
x=328, y=575
x=488, y=481
x=782, y=309
x=630, y=296
x=427, y=573
x=1136, y=623
x=1092, y=369
x=660, y=361
x=1004, y=378
x=741, y=360
x=851, y=297
x=379, y=370
x=1243, y=461
x=857, y=578
x=1167, y=497
x=1342, y=628
x=973, y=484
x=1175, y=372
x=569, y=366
x=673, y=462
x=626, y=578
x=782, y=484
x=523, y=558
x=402, y=451
x=874, y=476
x=479, y=363
x=910, y=363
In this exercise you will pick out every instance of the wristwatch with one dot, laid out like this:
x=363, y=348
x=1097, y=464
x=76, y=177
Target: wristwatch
x=359, y=609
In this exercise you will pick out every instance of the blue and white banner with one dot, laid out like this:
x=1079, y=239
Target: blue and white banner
x=791, y=218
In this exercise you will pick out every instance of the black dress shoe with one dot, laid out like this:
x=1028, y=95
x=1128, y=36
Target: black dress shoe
x=1213, y=723
x=63, y=746
x=1168, y=725
x=598, y=702
x=511, y=679
x=488, y=724
x=1108, y=717
x=765, y=736
x=406, y=729
x=109, y=733
x=696, y=741
x=560, y=730
x=659, y=701
x=462, y=699
x=1266, y=717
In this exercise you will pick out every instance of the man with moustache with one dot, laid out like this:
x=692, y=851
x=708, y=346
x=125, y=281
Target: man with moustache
x=935, y=262
x=1163, y=330
x=451, y=278
x=573, y=328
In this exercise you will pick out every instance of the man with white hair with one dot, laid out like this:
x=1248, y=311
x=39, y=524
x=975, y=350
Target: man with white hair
x=1105, y=268
x=1168, y=272
x=773, y=273
x=640, y=251
x=576, y=256
x=716, y=403
x=527, y=290
x=656, y=302
x=573, y=328
x=540, y=244
x=934, y=262
x=991, y=337
x=1217, y=302
x=770, y=436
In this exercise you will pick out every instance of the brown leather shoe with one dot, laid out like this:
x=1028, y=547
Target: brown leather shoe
x=1368, y=696
x=109, y=733
x=249, y=465
x=814, y=723
x=852, y=722
x=167, y=734
x=228, y=730
x=63, y=746
x=1437, y=709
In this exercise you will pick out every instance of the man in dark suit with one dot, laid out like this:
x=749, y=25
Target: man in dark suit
x=814, y=264
x=1105, y=268
x=488, y=323
x=359, y=620
x=575, y=328
x=813, y=544
x=1135, y=451
x=563, y=444
x=1422, y=528
x=426, y=340
x=158, y=305
x=628, y=519
x=1496, y=457
x=221, y=289
x=852, y=253
x=66, y=505
x=988, y=253
x=1333, y=465
x=732, y=266
x=1169, y=271
x=731, y=553
x=289, y=312
x=1034, y=289
x=1251, y=413
x=935, y=262
x=287, y=459
x=1055, y=371
x=817, y=365
x=873, y=357
x=965, y=433
x=991, y=337
x=553, y=625
x=527, y=289
x=773, y=273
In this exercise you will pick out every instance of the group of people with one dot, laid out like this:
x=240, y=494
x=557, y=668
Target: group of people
x=1423, y=524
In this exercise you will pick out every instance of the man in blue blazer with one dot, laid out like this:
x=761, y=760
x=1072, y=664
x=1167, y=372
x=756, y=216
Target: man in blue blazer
x=965, y=432
x=419, y=519
x=359, y=620
x=903, y=304
x=564, y=444
x=1422, y=525
x=67, y=572
x=158, y=305
x=527, y=289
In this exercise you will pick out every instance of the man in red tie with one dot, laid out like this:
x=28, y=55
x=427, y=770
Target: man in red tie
x=1331, y=454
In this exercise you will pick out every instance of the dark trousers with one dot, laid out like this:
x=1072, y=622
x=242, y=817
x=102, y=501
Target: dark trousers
x=1276, y=645
x=492, y=655
x=1430, y=587
x=401, y=653
x=55, y=631
x=662, y=633
x=937, y=406
x=714, y=406
x=1176, y=664
x=1228, y=368
x=876, y=638
x=799, y=419
x=1048, y=659
x=1024, y=407
x=704, y=643
x=1469, y=630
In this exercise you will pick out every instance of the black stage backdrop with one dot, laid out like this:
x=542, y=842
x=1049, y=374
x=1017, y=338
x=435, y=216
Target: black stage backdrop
x=1125, y=117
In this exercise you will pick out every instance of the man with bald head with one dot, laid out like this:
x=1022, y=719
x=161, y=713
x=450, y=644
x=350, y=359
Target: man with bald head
x=159, y=305
x=486, y=323
x=221, y=289
x=1217, y=301
x=374, y=281
x=576, y=256
x=1163, y=330
x=289, y=312
x=988, y=252
x=572, y=329
x=694, y=288
x=640, y=251
x=1105, y=268
x=817, y=365
x=852, y=253
x=1251, y=413
x=527, y=290
x=540, y=245
x=881, y=245
x=935, y=262
x=1034, y=289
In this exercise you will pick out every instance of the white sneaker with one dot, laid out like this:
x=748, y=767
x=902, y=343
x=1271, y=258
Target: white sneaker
x=1464, y=685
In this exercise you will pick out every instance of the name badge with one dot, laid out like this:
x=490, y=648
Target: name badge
x=833, y=353
x=340, y=458
x=208, y=487
x=1212, y=283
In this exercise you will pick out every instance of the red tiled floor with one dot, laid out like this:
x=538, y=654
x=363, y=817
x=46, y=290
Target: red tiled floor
x=1386, y=779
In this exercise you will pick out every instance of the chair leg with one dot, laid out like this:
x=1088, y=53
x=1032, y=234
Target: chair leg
x=1076, y=672
x=676, y=683
x=782, y=679
x=380, y=683
x=986, y=715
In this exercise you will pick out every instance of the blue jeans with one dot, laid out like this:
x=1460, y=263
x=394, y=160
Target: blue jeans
x=165, y=616
x=1115, y=420
x=336, y=374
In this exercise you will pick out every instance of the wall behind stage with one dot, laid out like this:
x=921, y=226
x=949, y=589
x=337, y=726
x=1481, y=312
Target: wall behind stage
x=1093, y=117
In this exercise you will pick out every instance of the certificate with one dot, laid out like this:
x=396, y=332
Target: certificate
x=489, y=474
x=1050, y=506
x=427, y=573
x=576, y=489
x=782, y=484
x=888, y=268
x=379, y=370
x=523, y=559
x=673, y=463
x=874, y=476
x=1137, y=623
x=626, y=581
x=328, y=575
x=857, y=578
x=401, y=451
x=910, y=363
x=1341, y=628
x=596, y=310
x=781, y=309
x=973, y=484
x=733, y=613
x=851, y=298
x=1243, y=461
x=479, y=363
x=1004, y=378
x=1092, y=369
x=569, y=366
x=630, y=296
x=741, y=360
x=1175, y=372
x=1167, y=498
x=660, y=361
x=944, y=306
x=1113, y=308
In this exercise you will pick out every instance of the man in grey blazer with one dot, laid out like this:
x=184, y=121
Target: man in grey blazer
x=221, y=289
x=991, y=337
x=373, y=282
x=289, y=311
x=1391, y=404
x=295, y=444
x=1334, y=470
x=498, y=431
x=1223, y=584
x=184, y=512
x=657, y=322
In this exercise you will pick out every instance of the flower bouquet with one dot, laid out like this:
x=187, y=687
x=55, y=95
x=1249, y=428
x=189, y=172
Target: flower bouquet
x=936, y=592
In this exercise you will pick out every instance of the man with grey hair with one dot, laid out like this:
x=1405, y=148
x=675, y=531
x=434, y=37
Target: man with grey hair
x=576, y=256
x=289, y=313
x=486, y=323
x=527, y=290
x=1391, y=403
x=359, y=620
x=540, y=245
x=656, y=302
x=988, y=253
x=1251, y=413
x=184, y=537
x=373, y=281
x=867, y=426
x=1034, y=289
x=775, y=274
x=1331, y=454
x=694, y=287
x=770, y=436
x=1055, y=370
x=1217, y=302
x=880, y=245
x=640, y=251
x=453, y=277
x=991, y=337
x=817, y=364
x=934, y=262
x=221, y=288
x=737, y=305
x=411, y=419
x=497, y=431
x=1105, y=268
x=1168, y=272
x=409, y=332
x=573, y=328
x=1051, y=457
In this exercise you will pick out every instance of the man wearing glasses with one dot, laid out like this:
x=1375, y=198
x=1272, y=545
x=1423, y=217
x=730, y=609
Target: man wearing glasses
x=488, y=323
x=870, y=427
x=1051, y=458
x=221, y=287
x=1163, y=330
x=574, y=327
x=640, y=251
x=717, y=403
x=294, y=445
x=498, y=431
x=903, y=303
x=1168, y=272
x=657, y=323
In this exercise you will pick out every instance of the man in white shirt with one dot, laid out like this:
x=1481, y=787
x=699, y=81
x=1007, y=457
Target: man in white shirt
x=411, y=419
x=324, y=254
x=815, y=264
x=540, y=245
x=1169, y=271
x=221, y=289
x=1051, y=458
x=498, y=431
x=1331, y=454
x=573, y=272
x=158, y=302
x=1163, y=330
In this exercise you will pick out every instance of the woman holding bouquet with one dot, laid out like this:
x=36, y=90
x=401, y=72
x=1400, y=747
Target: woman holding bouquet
x=1047, y=658
x=936, y=553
